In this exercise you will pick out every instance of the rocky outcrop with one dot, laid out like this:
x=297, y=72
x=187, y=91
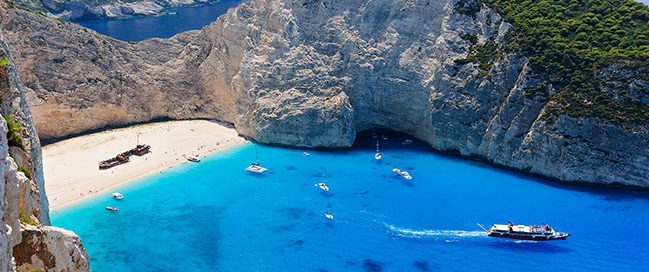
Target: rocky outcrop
x=314, y=73
x=24, y=243
x=57, y=249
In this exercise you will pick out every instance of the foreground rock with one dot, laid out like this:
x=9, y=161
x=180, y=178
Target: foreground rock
x=25, y=244
x=57, y=249
x=314, y=73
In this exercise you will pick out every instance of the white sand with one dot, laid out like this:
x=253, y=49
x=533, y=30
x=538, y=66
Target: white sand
x=72, y=166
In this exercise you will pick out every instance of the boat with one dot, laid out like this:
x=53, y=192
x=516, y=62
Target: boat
x=406, y=175
x=193, y=159
x=406, y=142
x=322, y=186
x=306, y=154
x=112, y=209
x=525, y=232
x=255, y=167
x=141, y=150
x=328, y=215
x=384, y=137
x=378, y=154
x=118, y=196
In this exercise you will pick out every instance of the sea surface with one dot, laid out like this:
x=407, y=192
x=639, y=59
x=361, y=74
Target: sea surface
x=178, y=19
x=214, y=216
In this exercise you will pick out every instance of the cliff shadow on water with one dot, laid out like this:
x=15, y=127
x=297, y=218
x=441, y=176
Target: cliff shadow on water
x=393, y=140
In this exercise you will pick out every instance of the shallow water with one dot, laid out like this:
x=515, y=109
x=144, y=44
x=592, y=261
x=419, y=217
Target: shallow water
x=213, y=216
x=178, y=19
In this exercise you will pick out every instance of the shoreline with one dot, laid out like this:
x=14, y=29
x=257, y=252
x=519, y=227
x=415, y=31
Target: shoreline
x=71, y=166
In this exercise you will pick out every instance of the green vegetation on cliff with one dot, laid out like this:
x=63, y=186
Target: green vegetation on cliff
x=26, y=171
x=14, y=133
x=25, y=218
x=574, y=44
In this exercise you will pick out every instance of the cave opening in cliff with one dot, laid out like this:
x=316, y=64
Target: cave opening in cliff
x=386, y=139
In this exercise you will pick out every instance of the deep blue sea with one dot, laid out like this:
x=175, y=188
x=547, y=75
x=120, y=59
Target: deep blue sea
x=214, y=216
x=177, y=20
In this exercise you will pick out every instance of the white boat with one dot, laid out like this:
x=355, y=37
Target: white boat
x=322, y=186
x=255, y=167
x=193, y=159
x=384, y=137
x=328, y=215
x=396, y=170
x=524, y=232
x=406, y=142
x=117, y=196
x=406, y=175
x=306, y=154
x=112, y=209
x=378, y=154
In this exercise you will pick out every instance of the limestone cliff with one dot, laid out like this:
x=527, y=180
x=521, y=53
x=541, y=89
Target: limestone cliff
x=25, y=241
x=313, y=73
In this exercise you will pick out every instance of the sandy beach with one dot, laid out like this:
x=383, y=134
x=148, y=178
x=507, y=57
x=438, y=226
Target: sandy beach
x=71, y=166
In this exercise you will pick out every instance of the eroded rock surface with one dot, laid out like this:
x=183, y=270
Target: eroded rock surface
x=56, y=249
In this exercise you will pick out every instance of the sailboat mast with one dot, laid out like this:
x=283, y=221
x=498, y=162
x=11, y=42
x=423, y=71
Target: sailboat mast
x=256, y=155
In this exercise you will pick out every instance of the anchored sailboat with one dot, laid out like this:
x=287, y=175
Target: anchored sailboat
x=378, y=154
x=255, y=167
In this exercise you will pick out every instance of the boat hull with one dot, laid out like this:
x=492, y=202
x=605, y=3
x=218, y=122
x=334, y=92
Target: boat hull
x=529, y=237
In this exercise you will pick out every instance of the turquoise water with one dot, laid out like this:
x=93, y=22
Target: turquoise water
x=213, y=216
x=178, y=19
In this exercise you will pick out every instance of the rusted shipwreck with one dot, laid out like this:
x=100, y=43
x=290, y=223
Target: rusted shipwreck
x=125, y=157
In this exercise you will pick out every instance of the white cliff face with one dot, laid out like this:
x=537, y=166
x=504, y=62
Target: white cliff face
x=24, y=243
x=9, y=224
x=314, y=73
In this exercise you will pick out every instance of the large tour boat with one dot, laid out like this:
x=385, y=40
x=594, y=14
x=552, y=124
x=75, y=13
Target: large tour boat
x=524, y=232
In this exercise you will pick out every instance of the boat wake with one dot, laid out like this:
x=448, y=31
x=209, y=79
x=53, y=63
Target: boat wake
x=432, y=233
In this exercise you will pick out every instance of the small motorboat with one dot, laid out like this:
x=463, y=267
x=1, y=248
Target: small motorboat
x=384, y=137
x=322, y=186
x=524, y=232
x=117, y=196
x=256, y=168
x=328, y=215
x=193, y=159
x=306, y=154
x=112, y=209
x=406, y=175
x=396, y=170
x=406, y=142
